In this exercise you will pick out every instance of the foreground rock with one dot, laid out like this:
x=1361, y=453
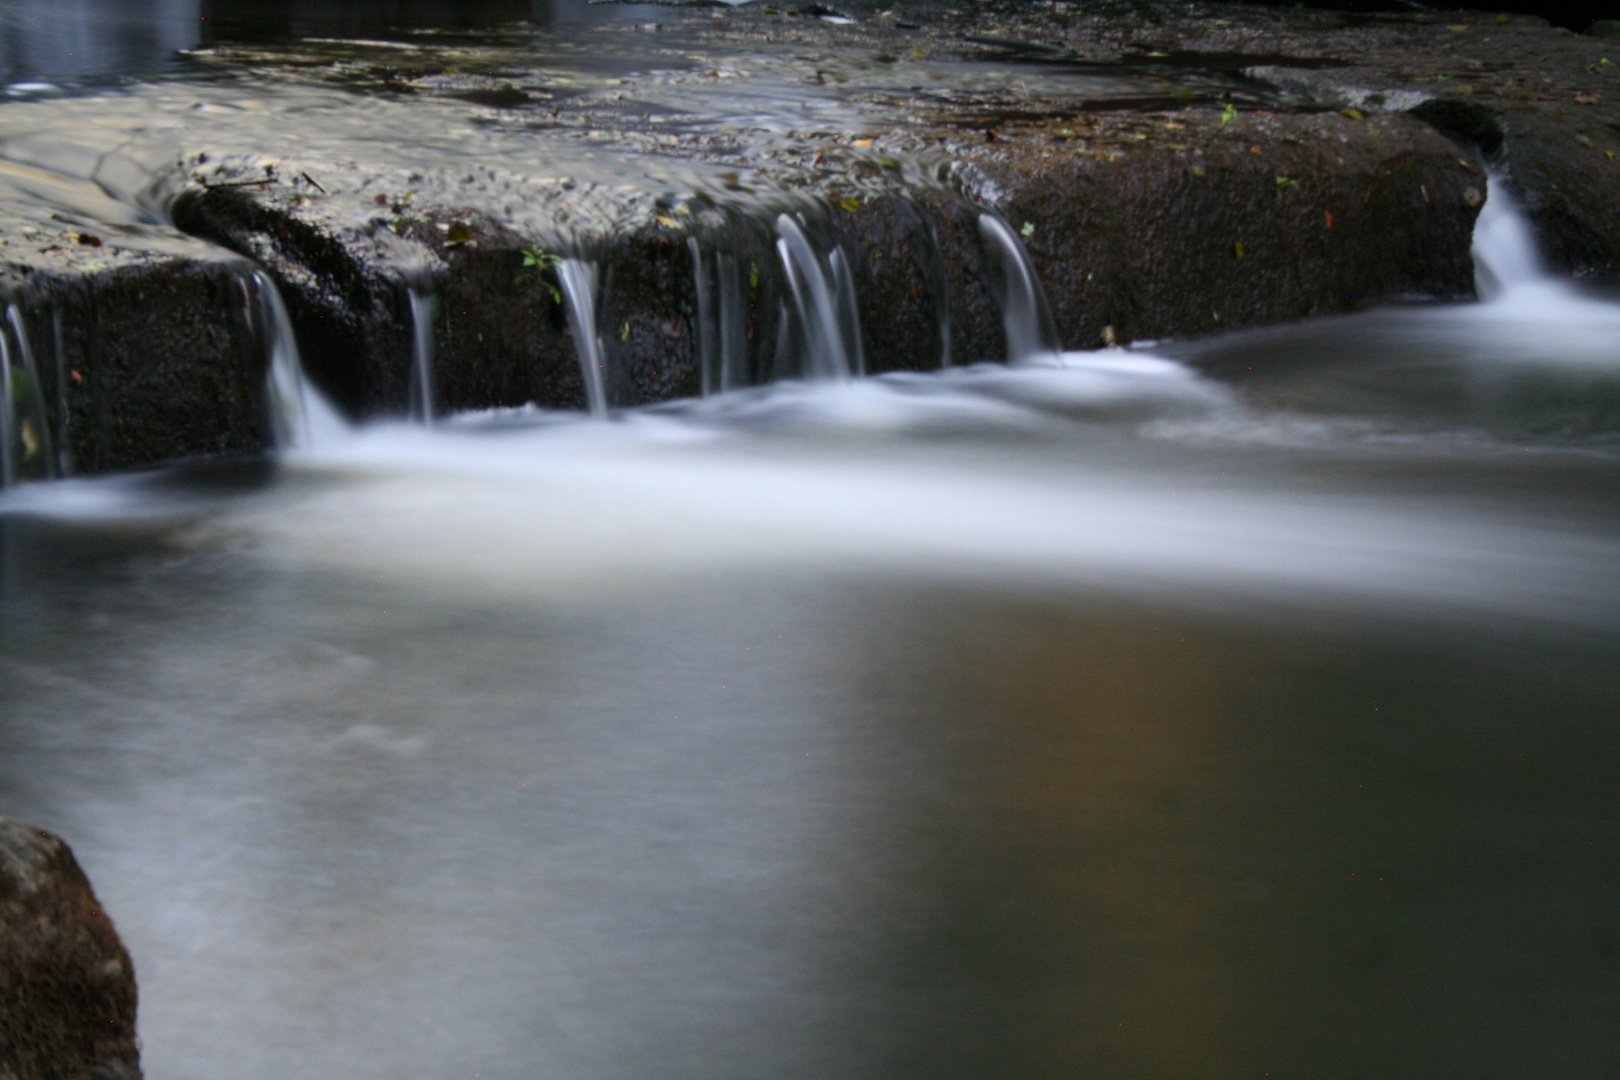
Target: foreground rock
x=67, y=988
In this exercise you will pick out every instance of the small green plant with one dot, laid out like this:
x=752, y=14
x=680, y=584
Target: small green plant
x=1229, y=113
x=1284, y=182
x=535, y=265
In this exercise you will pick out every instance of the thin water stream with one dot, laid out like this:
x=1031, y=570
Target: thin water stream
x=1241, y=706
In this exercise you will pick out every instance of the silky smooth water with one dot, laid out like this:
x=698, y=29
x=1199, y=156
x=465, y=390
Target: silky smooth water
x=1236, y=707
x=1104, y=719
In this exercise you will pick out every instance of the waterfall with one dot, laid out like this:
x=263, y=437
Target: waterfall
x=1504, y=247
x=34, y=429
x=578, y=280
x=8, y=466
x=848, y=315
x=1031, y=336
x=732, y=321
x=708, y=322
x=722, y=320
x=826, y=310
x=421, y=354
x=284, y=380
x=64, y=457
x=300, y=417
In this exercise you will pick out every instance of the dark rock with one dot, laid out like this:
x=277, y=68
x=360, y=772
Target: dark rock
x=1204, y=226
x=140, y=346
x=67, y=987
x=1605, y=28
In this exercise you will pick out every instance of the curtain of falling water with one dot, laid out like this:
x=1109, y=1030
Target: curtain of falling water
x=8, y=473
x=1031, y=335
x=289, y=411
x=825, y=324
x=578, y=280
x=34, y=426
x=1504, y=245
x=421, y=355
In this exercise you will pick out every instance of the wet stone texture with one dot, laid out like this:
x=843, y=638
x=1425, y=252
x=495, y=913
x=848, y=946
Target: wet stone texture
x=124, y=352
x=67, y=988
x=1173, y=170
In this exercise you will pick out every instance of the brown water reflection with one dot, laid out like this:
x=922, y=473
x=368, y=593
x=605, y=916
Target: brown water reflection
x=1172, y=847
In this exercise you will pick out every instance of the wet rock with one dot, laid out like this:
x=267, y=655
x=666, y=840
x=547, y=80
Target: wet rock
x=67, y=987
x=126, y=349
x=1188, y=225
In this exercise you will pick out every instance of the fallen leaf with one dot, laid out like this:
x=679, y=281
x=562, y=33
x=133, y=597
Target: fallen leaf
x=457, y=234
x=667, y=221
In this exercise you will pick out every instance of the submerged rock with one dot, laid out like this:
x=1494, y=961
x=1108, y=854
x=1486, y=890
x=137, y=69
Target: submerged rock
x=67, y=987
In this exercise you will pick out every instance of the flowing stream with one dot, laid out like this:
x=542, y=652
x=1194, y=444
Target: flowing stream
x=1231, y=707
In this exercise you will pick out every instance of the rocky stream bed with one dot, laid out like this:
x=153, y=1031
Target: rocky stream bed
x=1172, y=170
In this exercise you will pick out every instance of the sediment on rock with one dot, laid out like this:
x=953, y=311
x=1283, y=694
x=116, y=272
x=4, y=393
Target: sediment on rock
x=67, y=987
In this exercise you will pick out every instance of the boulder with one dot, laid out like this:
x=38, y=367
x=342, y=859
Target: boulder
x=67, y=987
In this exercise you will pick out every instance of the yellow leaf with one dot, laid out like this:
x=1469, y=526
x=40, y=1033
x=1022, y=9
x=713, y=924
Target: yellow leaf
x=863, y=142
x=662, y=220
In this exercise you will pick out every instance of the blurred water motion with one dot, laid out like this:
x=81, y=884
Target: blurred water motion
x=1096, y=718
x=1240, y=707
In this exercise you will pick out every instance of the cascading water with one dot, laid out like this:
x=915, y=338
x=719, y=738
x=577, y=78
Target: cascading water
x=64, y=460
x=825, y=309
x=722, y=324
x=849, y=317
x=8, y=468
x=708, y=322
x=293, y=405
x=34, y=428
x=422, y=301
x=1504, y=245
x=578, y=281
x=1031, y=335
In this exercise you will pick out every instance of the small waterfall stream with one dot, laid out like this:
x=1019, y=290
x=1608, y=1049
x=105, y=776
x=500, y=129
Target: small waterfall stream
x=1031, y=335
x=8, y=421
x=284, y=378
x=422, y=302
x=823, y=301
x=578, y=281
x=1504, y=245
x=25, y=430
x=35, y=427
